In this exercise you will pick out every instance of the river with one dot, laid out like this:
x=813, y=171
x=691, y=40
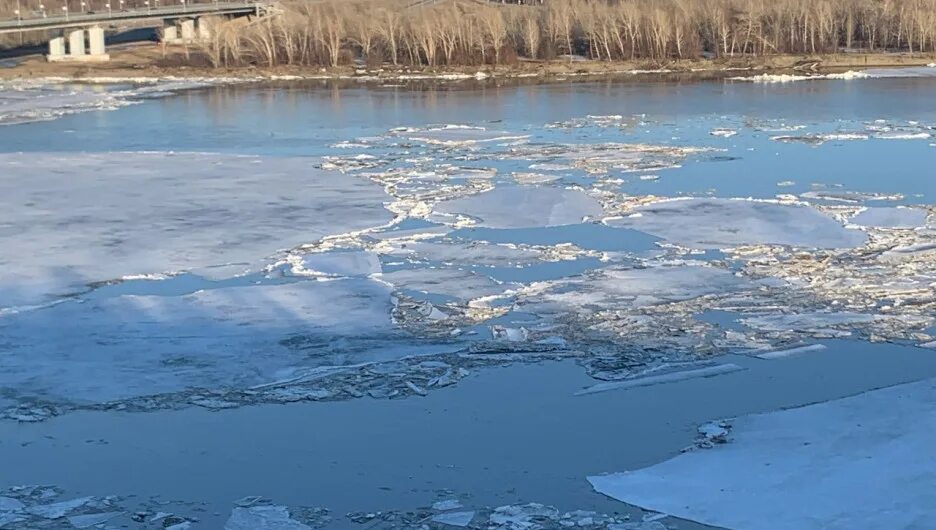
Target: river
x=364, y=297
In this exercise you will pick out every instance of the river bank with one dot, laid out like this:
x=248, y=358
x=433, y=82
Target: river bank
x=152, y=61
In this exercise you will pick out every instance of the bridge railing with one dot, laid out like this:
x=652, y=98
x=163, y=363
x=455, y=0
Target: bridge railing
x=25, y=11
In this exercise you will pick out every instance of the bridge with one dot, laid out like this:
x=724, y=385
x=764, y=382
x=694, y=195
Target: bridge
x=183, y=23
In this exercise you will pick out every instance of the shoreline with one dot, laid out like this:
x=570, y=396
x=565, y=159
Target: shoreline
x=143, y=63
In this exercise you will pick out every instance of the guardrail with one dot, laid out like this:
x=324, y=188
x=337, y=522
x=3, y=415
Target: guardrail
x=141, y=10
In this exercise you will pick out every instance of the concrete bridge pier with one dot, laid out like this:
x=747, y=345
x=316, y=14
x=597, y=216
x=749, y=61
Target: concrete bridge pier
x=188, y=30
x=83, y=45
x=56, y=49
x=96, y=43
x=204, y=28
x=170, y=33
x=76, y=44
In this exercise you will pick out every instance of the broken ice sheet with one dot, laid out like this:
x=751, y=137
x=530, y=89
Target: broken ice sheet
x=348, y=263
x=263, y=518
x=890, y=217
x=725, y=223
x=450, y=283
x=457, y=135
x=459, y=519
x=865, y=461
x=29, y=100
x=523, y=207
x=223, y=338
x=601, y=158
x=618, y=288
x=78, y=219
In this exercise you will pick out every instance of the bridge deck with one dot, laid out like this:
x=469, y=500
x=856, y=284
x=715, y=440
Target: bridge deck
x=129, y=15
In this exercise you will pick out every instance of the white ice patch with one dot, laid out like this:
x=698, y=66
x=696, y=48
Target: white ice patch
x=76, y=219
x=790, y=78
x=350, y=263
x=673, y=377
x=524, y=207
x=23, y=101
x=871, y=73
x=263, y=518
x=458, y=135
x=887, y=217
x=726, y=223
x=236, y=337
x=866, y=461
x=458, y=519
x=617, y=288
x=475, y=253
x=454, y=283
x=723, y=133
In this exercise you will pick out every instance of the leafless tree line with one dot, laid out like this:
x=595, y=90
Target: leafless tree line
x=467, y=32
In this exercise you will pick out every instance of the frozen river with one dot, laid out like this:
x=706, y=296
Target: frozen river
x=350, y=298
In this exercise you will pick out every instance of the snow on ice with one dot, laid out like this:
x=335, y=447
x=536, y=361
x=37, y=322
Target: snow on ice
x=80, y=219
x=724, y=223
x=865, y=461
x=130, y=346
x=524, y=207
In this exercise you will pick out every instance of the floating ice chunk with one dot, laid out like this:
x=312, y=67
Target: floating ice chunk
x=894, y=135
x=92, y=519
x=78, y=219
x=522, y=516
x=724, y=223
x=510, y=334
x=818, y=139
x=808, y=321
x=851, y=196
x=791, y=352
x=474, y=253
x=865, y=461
x=790, y=78
x=9, y=504
x=525, y=207
x=896, y=217
x=43, y=99
x=459, y=135
x=455, y=283
x=460, y=519
x=350, y=263
x=642, y=525
x=620, y=288
x=263, y=518
x=723, y=133
x=448, y=504
x=230, y=337
x=535, y=178
x=673, y=377
x=58, y=509
x=10, y=518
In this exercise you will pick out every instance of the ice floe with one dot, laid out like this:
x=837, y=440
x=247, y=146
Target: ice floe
x=350, y=263
x=790, y=78
x=860, y=462
x=896, y=217
x=720, y=223
x=81, y=219
x=457, y=135
x=263, y=518
x=229, y=338
x=44, y=99
x=524, y=207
